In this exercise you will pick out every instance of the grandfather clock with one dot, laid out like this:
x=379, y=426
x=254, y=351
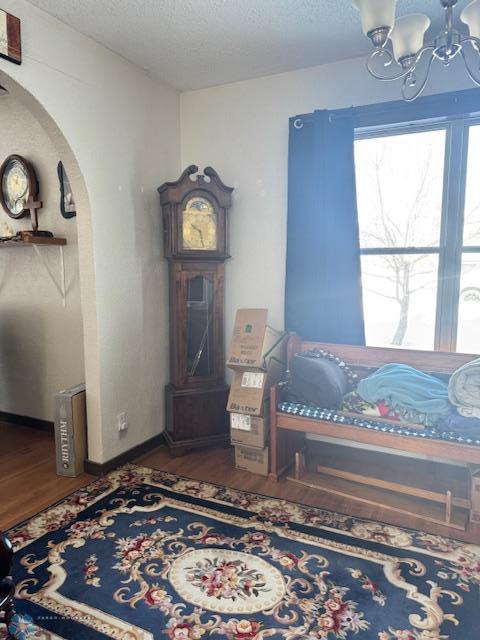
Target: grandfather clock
x=195, y=219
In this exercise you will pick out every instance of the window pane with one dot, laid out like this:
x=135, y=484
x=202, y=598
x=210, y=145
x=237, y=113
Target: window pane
x=471, y=228
x=399, y=189
x=468, y=335
x=399, y=300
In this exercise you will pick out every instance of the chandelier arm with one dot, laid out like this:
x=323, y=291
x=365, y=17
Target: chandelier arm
x=379, y=52
x=448, y=44
x=422, y=86
x=474, y=76
x=472, y=40
x=403, y=74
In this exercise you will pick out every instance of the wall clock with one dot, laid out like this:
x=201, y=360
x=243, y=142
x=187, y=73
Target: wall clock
x=195, y=219
x=19, y=188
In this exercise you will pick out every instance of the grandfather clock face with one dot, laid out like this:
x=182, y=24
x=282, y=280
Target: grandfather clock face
x=199, y=225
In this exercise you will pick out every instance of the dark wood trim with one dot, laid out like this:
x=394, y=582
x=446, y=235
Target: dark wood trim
x=101, y=468
x=26, y=421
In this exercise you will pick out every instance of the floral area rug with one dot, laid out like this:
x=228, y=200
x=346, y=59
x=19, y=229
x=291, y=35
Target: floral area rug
x=143, y=554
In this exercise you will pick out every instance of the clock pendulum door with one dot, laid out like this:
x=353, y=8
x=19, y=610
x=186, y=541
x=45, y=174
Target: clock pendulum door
x=196, y=400
x=199, y=326
x=196, y=246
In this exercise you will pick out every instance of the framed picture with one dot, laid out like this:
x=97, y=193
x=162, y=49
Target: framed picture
x=67, y=202
x=10, y=40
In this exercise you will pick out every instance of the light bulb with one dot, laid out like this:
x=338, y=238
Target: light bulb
x=376, y=14
x=471, y=17
x=408, y=33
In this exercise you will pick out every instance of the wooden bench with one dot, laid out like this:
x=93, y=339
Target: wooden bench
x=287, y=444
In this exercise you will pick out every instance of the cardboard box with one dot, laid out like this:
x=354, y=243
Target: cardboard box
x=250, y=389
x=250, y=431
x=253, y=460
x=70, y=431
x=253, y=342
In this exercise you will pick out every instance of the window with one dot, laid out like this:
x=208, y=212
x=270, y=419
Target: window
x=418, y=196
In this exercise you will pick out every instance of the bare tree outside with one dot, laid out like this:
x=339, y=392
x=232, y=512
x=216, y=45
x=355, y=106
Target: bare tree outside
x=399, y=194
x=400, y=207
x=386, y=232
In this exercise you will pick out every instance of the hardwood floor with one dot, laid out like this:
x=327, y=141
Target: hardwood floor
x=217, y=466
x=28, y=482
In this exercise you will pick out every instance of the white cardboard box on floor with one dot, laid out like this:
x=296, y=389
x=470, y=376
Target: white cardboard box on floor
x=253, y=460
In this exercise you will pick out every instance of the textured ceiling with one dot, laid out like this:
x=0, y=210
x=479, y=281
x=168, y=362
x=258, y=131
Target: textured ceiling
x=192, y=44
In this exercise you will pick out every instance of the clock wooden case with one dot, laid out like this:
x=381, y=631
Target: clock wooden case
x=195, y=222
x=19, y=189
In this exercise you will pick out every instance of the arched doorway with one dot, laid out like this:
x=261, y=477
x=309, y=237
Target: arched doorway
x=63, y=150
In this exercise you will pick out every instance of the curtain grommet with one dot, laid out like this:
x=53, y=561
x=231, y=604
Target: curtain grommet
x=298, y=123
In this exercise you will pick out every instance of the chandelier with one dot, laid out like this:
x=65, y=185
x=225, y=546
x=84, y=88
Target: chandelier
x=399, y=48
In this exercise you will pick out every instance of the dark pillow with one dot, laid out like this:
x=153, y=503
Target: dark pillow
x=317, y=381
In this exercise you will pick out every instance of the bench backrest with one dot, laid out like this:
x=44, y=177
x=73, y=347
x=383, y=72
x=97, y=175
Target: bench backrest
x=370, y=358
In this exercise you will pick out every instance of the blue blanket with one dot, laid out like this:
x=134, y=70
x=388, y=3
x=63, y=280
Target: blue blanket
x=406, y=389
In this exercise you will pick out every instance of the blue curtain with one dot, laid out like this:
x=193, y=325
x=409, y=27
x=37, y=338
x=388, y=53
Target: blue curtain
x=323, y=296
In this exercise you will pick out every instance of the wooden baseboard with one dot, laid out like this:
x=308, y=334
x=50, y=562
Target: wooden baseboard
x=101, y=468
x=180, y=447
x=26, y=421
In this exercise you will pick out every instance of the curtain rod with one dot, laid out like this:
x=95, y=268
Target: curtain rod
x=437, y=106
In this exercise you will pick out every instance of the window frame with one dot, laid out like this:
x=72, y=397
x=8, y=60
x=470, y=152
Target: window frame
x=450, y=249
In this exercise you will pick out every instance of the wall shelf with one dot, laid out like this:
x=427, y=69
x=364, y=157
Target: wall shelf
x=33, y=241
x=36, y=242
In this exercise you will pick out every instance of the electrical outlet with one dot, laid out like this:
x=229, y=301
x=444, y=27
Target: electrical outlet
x=122, y=422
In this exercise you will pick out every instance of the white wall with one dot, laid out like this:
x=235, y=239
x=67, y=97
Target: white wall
x=41, y=342
x=123, y=129
x=241, y=129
